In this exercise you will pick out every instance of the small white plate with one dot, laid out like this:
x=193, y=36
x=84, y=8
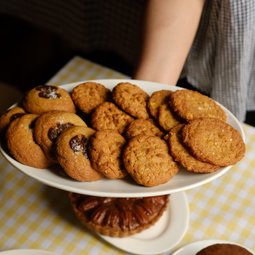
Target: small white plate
x=26, y=252
x=182, y=181
x=161, y=237
x=193, y=248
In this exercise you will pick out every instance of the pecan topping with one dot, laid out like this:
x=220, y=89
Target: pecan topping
x=79, y=143
x=54, y=132
x=112, y=219
x=47, y=91
x=99, y=214
x=88, y=204
x=124, y=213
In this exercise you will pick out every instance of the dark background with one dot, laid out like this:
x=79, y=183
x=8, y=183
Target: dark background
x=30, y=56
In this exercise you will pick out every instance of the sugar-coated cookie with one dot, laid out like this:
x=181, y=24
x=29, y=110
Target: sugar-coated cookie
x=72, y=153
x=213, y=141
x=88, y=95
x=21, y=144
x=109, y=116
x=182, y=155
x=50, y=125
x=189, y=105
x=46, y=98
x=148, y=161
x=131, y=99
x=105, y=153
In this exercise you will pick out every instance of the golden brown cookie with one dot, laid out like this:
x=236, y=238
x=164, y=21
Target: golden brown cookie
x=131, y=99
x=21, y=144
x=182, y=155
x=142, y=127
x=10, y=115
x=49, y=126
x=118, y=217
x=72, y=153
x=105, y=153
x=46, y=98
x=213, y=141
x=190, y=105
x=88, y=95
x=156, y=99
x=224, y=249
x=148, y=161
x=109, y=116
x=167, y=118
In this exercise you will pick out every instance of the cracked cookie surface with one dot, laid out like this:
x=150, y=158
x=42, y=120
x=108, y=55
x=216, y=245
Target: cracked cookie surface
x=214, y=141
x=105, y=153
x=148, y=161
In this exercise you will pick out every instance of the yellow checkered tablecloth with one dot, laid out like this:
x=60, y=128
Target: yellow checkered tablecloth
x=33, y=215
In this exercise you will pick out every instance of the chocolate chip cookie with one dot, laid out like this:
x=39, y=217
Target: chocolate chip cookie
x=50, y=125
x=10, y=115
x=72, y=153
x=46, y=98
x=21, y=143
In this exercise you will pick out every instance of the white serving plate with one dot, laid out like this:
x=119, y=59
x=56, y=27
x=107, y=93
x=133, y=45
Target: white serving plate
x=26, y=252
x=126, y=187
x=193, y=248
x=161, y=237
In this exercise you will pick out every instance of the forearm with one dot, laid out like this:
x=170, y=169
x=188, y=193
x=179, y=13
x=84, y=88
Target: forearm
x=170, y=28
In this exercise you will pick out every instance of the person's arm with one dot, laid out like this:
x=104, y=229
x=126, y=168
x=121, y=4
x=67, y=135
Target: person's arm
x=169, y=30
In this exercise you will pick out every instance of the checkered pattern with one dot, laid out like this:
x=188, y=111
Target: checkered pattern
x=36, y=216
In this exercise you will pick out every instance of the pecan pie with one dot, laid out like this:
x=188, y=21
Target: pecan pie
x=118, y=217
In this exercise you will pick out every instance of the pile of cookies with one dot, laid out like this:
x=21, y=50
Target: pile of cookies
x=95, y=133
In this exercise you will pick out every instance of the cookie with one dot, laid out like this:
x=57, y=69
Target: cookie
x=109, y=116
x=88, y=95
x=72, y=153
x=46, y=98
x=224, y=249
x=118, y=217
x=105, y=153
x=148, y=161
x=131, y=99
x=10, y=115
x=142, y=127
x=213, y=141
x=49, y=126
x=156, y=99
x=167, y=118
x=190, y=105
x=182, y=155
x=21, y=143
